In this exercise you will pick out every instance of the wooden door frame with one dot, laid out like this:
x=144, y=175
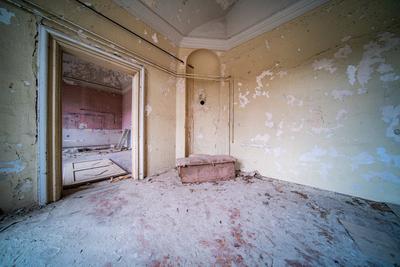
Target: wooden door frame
x=51, y=45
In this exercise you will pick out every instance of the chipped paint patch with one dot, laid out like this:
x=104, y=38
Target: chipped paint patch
x=389, y=77
x=260, y=138
x=373, y=55
x=260, y=77
x=346, y=38
x=363, y=158
x=243, y=100
x=293, y=101
x=391, y=115
x=267, y=45
x=340, y=94
x=341, y=114
x=5, y=16
x=14, y=166
x=343, y=52
x=155, y=38
x=148, y=109
x=384, y=175
x=313, y=155
x=351, y=74
x=388, y=159
x=384, y=68
x=268, y=122
x=324, y=64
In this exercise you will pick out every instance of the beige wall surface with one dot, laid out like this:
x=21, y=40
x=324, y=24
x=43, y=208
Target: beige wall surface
x=317, y=100
x=18, y=70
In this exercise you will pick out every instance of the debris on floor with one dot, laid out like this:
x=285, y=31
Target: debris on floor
x=78, y=172
x=161, y=222
x=120, y=178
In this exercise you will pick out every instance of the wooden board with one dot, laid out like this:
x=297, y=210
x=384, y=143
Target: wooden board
x=87, y=171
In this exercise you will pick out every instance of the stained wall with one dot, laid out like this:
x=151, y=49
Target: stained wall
x=18, y=84
x=317, y=100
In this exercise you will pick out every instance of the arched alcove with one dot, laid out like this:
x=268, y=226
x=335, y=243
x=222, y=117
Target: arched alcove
x=203, y=108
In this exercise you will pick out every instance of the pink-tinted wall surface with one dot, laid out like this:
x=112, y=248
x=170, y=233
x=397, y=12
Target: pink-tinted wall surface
x=127, y=110
x=88, y=108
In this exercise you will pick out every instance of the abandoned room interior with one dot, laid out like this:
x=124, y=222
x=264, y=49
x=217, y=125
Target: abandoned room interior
x=200, y=133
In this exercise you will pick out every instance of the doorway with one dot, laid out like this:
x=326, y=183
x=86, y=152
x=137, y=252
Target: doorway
x=56, y=130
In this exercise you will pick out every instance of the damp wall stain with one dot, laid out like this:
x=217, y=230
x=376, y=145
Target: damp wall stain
x=332, y=121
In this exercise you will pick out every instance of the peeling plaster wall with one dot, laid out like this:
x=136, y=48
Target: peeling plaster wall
x=317, y=100
x=18, y=180
x=18, y=160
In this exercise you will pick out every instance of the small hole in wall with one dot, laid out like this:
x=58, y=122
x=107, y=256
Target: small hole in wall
x=202, y=102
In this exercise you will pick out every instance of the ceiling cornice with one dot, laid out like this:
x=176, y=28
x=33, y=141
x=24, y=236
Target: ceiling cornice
x=264, y=26
x=140, y=10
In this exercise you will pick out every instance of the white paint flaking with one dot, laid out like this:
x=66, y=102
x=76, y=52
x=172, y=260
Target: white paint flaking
x=341, y=114
x=351, y=74
x=324, y=64
x=148, y=109
x=340, y=94
x=388, y=159
x=293, y=101
x=384, y=68
x=14, y=166
x=243, y=100
x=343, y=52
x=260, y=138
x=155, y=38
x=282, y=73
x=389, y=77
x=5, y=16
x=373, y=55
x=268, y=122
x=267, y=45
x=363, y=158
x=361, y=91
x=391, y=115
x=346, y=38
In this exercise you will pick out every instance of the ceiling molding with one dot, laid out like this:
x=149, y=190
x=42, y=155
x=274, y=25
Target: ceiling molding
x=264, y=26
x=140, y=10
x=149, y=17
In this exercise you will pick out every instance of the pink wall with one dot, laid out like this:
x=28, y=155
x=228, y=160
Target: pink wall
x=127, y=110
x=90, y=108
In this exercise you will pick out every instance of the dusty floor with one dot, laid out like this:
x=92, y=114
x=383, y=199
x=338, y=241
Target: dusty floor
x=122, y=158
x=160, y=222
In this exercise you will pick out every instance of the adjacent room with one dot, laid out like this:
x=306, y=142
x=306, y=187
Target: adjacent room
x=200, y=133
x=96, y=121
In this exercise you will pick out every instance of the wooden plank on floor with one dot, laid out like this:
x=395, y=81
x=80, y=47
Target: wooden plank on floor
x=86, y=171
x=374, y=243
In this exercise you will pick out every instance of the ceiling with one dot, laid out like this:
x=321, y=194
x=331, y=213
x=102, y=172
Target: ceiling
x=77, y=71
x=215, y=24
